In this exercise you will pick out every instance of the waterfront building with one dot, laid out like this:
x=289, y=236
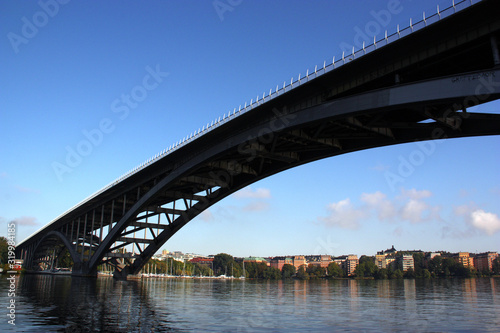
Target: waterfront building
x=340, y=260
x=203, y=261
x=406, y=262
x=256, y=260
x=391, y=251
x=325, y=260
x=380, y=261
x=484, y=261
x=351, y=263
x=319, y=260
x=348, y=263
x=277, y=262
x=431, y=255
x=299, y=261
x=465, y=259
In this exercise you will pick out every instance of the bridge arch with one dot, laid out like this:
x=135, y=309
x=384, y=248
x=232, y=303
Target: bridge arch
x=49, y=241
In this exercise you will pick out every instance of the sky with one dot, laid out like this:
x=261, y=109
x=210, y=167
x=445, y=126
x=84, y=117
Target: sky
x=67, y=67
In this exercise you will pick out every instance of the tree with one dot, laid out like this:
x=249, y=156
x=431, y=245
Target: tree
x=315, y=271
x=409, y=274
x=271, y=273
x=222, y=264
x=302, y=274
x=397, y=274
x=418, y=260
x=436, y=265
x=426, y=274
x=255, y=270
x=65, y=260
x=382, y=274
x=334, y=270
x=4, y=249
x=366, y=269
x=496, y=266
x=287, y=271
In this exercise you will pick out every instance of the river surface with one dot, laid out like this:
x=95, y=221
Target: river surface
x=65, y=304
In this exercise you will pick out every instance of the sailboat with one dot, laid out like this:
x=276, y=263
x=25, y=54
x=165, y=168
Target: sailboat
x=243, y=276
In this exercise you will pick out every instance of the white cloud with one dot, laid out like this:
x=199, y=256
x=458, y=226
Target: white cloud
x=414, y=210
x=343, y=215
x=383, y=207
x=415, y=194
x=409, y=206
x=256, y=206
x=478, y=219
x=488, y=222
x=248, y=193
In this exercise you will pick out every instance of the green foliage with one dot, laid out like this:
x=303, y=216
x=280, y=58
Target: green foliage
x=65, y=260
x=222, y=264
x=4, y=247
x=334, y=270
x=364, y=259
x=381, y=274
x=255, y=270
x=496, y=266
x=409, y=274
x=302, y=274
x=426, y=274
x=418, y=260
x=288, y=271
x=448, y=267
x=271, y=273
x=366, y=268
x=315, y=271
x=397, y=274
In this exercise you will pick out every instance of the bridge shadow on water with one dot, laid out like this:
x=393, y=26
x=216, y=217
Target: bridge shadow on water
x=73, y=304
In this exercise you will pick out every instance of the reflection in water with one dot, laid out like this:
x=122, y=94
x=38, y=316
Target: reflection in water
x=94, y=304
x=59, y=303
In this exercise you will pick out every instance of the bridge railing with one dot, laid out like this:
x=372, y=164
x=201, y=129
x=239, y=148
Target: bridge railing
x=413, y=26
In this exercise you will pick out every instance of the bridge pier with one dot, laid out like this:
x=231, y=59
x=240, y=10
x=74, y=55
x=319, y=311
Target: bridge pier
x=82, y=269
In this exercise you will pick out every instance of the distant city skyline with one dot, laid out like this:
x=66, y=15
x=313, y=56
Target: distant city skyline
x=192, y=254
x=144, y=77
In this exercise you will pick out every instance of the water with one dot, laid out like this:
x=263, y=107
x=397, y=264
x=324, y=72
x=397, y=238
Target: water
x=65, y=304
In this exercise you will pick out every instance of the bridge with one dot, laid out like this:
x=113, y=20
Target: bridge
x=415, y=84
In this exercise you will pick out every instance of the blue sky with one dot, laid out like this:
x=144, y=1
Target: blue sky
x=67, y=65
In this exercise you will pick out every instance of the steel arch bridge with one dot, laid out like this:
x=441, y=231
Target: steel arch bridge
x=416, y=84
